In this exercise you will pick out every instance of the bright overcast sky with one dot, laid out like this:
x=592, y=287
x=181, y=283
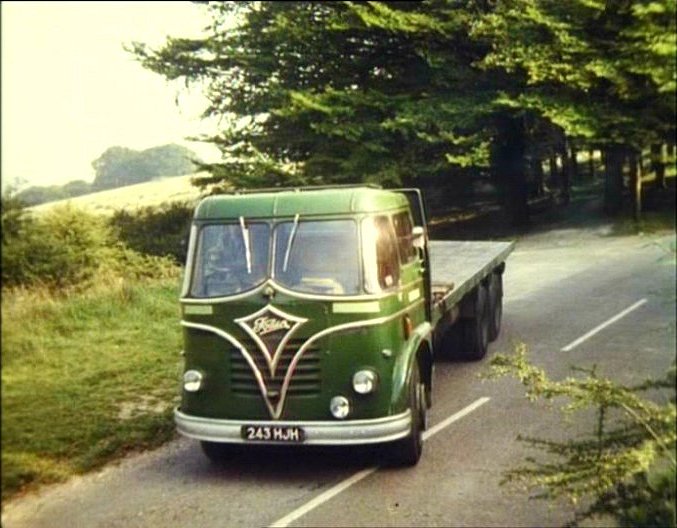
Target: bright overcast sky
x=70, y=91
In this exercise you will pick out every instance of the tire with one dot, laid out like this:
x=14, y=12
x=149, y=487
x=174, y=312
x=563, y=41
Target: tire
x=216, y=452
x=495, y=305
x=407, y=451
x=476, y=328
x=450, y=342
x=428, y=391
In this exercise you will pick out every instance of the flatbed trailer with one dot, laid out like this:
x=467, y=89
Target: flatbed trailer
x=457, y=267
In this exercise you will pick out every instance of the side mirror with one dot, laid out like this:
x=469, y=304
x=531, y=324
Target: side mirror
x=418, y=237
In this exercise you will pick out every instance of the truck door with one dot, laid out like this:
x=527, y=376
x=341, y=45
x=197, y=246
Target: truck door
x=420, y=217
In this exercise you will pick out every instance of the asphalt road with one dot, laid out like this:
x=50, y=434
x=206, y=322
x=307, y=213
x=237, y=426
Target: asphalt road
x=559, y=286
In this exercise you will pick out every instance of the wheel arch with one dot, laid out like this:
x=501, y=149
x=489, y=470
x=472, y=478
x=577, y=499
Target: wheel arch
x=418, y=348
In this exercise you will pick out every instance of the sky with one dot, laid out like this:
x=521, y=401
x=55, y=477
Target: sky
x=70, y=90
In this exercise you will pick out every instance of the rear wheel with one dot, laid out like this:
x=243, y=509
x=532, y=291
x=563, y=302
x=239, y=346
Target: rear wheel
x=495, y=305
x=450, y=342
x=407, y=451
x=476, y=328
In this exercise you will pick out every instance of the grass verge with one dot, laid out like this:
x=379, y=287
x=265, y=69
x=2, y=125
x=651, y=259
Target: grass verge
x=86, y=377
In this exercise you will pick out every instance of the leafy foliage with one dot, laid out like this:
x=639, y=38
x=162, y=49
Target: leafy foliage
x=339, y=92
x=12, y=211
x=420, y=93
x=627, y=466
x=603, y=71
x=155, y=230
x=67, y=247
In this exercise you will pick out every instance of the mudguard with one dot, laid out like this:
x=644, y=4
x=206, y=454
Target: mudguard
x=421, y=337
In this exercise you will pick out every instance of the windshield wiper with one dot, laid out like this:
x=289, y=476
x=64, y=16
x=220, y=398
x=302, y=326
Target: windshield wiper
x=289, y=243
x=247, y=249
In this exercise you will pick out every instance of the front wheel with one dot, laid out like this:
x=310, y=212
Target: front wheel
x=407, y=451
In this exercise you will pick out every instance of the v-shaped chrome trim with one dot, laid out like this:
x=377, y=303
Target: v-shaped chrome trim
x=245, y=353
x=273, y=360
x=276, y=411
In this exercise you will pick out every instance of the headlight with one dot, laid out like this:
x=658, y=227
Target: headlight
x=339, y=407
x=192, y=380
x=364, y=381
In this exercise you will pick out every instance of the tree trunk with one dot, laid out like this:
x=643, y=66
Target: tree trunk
x=635, y=162
x=554, y=170
x=591, y=164
x=566, y=174
x=613, y=179
x=658, y=165
x=509, y=163
x=573, y=163
x=539, y=176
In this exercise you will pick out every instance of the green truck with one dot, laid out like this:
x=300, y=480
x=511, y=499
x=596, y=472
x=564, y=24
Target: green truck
x=314, y=316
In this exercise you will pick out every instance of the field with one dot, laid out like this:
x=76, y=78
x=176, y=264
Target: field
x=86, y=377
x=156, y=192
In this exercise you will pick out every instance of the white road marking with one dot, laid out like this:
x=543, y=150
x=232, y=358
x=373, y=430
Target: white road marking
x=451, y=419
x=602, y=326
x=360, y=475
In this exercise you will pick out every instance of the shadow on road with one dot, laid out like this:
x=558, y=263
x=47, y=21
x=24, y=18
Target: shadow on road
x=289, y=465
x=585, y=212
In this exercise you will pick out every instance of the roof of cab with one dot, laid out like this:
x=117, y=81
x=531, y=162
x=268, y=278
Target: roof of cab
x=303, y=201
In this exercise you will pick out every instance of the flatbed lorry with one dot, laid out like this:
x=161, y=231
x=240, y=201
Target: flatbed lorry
x=314, y=316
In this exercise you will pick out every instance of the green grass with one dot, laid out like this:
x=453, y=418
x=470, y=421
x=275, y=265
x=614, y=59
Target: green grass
x=86, y=378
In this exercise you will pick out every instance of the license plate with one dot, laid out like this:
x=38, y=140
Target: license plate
x=272, y=433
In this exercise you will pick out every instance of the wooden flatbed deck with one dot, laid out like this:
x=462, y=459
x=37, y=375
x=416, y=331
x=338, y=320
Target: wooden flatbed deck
x=456, y=267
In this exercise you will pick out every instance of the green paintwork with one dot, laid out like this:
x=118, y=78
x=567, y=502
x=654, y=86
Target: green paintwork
x=305, y=203
x=341, y=354
x=382, y=347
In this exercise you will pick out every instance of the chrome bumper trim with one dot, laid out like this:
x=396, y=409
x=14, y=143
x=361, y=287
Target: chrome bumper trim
x=348, y=432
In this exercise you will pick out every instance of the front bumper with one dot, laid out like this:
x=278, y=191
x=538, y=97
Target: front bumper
x=349, y=432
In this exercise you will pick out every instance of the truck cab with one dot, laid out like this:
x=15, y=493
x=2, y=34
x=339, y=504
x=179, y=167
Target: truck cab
x=306, y=320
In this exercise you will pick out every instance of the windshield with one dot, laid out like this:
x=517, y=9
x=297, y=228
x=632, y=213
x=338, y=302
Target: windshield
x=318, y=256
x=231, y=258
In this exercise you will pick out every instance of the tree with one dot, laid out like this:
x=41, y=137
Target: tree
x=422, y=92
x=603, y=71
x=120, y=166
x=41, y=194
x=344, y=92
x=626, y=467
x=77, y=188
x=12, y=211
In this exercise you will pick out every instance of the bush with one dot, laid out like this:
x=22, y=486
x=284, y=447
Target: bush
x=67, y=246
x=156, y=230
x=626, y=466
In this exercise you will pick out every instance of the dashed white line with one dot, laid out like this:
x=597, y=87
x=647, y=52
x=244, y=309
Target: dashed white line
x=360, y=475
x=602, y=326
x=451, y=419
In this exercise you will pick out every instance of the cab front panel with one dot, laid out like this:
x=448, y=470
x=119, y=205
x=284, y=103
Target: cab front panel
x=324, y=369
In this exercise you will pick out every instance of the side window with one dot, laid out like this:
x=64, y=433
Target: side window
x=382, y=265
x=404, y=239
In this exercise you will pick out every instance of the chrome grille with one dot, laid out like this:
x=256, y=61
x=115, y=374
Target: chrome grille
x=304, y=381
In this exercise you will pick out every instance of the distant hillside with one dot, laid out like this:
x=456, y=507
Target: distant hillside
x=119, y=167
x=156, y=192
